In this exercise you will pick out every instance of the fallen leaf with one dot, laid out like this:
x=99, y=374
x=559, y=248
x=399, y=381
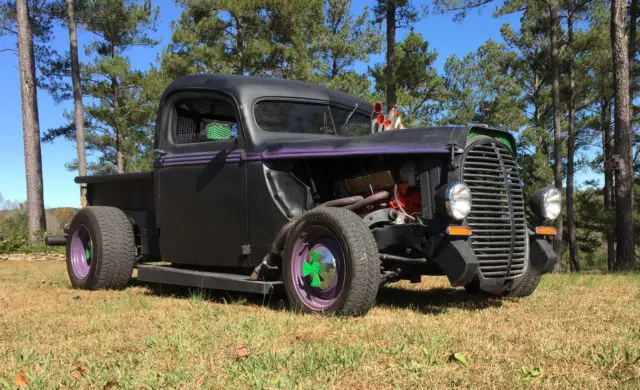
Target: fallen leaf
x=242, y=352
x=78, y=370
x=460, y=358
x=530, y=374
x=21, y=381
x=139, y=348
x=109, y=385
x=303, y=336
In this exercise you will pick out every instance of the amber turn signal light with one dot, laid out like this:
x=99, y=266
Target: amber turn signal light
x=546, y=231
x=458, y=231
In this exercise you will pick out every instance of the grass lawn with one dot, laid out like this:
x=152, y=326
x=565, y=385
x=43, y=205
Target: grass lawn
x=574, y=332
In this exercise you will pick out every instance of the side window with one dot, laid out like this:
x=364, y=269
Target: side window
x=203, y=120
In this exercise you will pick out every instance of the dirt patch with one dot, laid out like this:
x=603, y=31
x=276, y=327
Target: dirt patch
x=32, y=257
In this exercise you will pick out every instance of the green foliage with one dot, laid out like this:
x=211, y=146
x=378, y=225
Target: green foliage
x=267, y=38
x=343, y=41
x=119, y=114
x=42, y=23
x=13, y=234
x=420, y=89
x=405, y=13
x=482, y=89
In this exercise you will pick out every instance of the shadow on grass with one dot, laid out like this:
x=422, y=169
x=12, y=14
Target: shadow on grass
x=275, y=301
x=432, y=301
x=435, y=300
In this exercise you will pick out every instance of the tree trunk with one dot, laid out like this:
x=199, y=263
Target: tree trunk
x=391, y=53
x=120, y=160
x=574, y=264
x=605, y=121
x=240, y=44
x=30, y=124
x=633, y=27
x=625, y=250
x=119, y=152
x=557, y=123
x=77, y=99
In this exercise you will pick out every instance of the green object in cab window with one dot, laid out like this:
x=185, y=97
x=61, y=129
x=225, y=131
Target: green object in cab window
x=218, y=131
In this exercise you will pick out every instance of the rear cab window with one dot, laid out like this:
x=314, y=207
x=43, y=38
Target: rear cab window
x=311, y=118
x=203, y=120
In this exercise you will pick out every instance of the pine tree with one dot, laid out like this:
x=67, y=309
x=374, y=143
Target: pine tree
x=625, y=250
x=77, y=96
x=30, y=123
x=396, y=14
x=483, y=88
x=343, y=41
x=119, y=119
x=420, y=90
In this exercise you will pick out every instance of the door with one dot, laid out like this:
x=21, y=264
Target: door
x=201, y=183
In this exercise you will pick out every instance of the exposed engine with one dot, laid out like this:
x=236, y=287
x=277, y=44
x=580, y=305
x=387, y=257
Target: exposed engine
x=400, y=187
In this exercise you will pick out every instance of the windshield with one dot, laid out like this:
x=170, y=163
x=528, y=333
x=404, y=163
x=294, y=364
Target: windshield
x=309, y=118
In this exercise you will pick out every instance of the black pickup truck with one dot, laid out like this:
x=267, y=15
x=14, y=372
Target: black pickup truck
x=260, y=183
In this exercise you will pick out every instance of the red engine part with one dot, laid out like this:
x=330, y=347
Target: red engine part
x=408, y=199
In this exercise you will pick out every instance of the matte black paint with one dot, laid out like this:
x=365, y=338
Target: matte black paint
x=457, y=261
x=221, y=203
x=204, y=279
x=542, y=257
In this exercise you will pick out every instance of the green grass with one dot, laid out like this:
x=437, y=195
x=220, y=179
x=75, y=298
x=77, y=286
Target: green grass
x=576, y=331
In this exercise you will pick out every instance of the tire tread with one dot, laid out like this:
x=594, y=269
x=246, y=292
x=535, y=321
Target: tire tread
x=116, y=249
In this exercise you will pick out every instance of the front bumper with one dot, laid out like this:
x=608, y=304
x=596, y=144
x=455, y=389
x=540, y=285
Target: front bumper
x=542, y=257
x=456, y=259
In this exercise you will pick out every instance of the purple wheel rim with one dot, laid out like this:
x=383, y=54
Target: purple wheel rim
x=81, y=252
x=329, y=281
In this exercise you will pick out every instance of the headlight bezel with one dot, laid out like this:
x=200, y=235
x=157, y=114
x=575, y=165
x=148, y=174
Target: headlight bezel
x=460, y=191
x=546, y=203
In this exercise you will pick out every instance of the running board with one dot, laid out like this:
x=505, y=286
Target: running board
x=166, y=274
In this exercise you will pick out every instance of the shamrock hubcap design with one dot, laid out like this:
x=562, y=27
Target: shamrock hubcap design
x=320, y=267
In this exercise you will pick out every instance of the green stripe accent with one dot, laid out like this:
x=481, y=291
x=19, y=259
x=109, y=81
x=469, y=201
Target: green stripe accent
x=493, y=134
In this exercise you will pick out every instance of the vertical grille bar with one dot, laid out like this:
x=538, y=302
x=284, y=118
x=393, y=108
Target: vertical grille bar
x=497, y=214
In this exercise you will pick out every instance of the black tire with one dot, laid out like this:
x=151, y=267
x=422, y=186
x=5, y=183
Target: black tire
x=111, y=248
x=522, y=287
x=525, y=285
x=356, y=277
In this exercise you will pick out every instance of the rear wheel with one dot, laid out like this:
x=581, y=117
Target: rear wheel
x=101, y=250
x=331, y=263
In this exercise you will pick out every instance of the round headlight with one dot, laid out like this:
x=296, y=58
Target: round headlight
x=547, y=203
x=458, y=200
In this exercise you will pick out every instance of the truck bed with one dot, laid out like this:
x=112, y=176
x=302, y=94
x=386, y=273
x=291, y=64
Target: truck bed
x=133, y=193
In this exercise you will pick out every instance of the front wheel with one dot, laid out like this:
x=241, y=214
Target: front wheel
x=524, y=286
x=101, y=249
x=331, y=263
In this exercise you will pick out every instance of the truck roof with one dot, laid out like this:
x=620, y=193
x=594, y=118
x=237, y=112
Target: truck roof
x=247, y=89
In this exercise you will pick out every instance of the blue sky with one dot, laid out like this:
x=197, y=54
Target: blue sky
x=443, y=34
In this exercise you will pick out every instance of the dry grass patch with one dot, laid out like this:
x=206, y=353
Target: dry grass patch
x=574, y=332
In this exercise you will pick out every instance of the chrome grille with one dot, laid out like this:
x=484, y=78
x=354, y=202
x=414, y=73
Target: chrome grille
x=497, y=217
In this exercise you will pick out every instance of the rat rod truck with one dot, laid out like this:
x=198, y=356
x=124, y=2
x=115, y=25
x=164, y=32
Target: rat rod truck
x=261, y=183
